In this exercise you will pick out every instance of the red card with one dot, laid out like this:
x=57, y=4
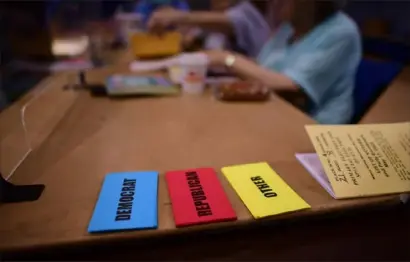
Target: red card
x=198, y=197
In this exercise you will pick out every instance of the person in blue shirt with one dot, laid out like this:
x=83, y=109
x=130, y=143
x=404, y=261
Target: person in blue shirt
x=147, y=7
x=315, y=48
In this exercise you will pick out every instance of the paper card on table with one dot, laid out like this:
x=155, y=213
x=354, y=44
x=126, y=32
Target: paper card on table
x=198, y=197
x=313, y=165
x=262, y=190
x=364, y=160
x=128, y=85
x=127, y=201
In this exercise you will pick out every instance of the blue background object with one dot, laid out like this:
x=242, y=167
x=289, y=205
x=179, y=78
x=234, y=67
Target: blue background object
x=144, y=209
x=372, y=78
x=389, y=50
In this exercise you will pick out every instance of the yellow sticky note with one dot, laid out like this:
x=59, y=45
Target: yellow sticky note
x=262, y=190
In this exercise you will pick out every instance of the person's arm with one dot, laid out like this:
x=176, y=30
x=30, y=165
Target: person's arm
x=248, y=69
x=313, y=71
x=213, y=21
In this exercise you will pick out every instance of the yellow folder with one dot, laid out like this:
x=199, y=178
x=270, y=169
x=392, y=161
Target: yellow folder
x=262, y=190
x=149, y=46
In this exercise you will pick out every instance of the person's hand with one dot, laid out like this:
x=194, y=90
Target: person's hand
x=164, y=18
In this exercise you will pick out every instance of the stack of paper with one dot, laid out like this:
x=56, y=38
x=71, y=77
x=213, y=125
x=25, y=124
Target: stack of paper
x=360, y=160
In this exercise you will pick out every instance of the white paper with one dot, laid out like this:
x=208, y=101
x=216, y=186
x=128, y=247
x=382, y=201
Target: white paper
x=312, y=164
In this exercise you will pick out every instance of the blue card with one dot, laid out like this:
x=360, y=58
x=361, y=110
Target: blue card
x=127, y=201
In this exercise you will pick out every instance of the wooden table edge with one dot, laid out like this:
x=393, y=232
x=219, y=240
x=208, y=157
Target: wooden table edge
x=318, y=212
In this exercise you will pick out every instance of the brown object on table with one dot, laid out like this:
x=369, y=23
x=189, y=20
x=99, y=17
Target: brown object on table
x=242, y=91
x=98, y=136
x=394, y=104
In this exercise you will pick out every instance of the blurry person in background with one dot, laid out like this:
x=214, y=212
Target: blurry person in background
x=205, y=39
x=315, y=50
x=221, y=5
x=241, y=22
x=146, y=8
x=217, y=40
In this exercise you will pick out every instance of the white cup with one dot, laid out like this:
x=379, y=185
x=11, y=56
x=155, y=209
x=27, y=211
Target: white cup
x=193, y=74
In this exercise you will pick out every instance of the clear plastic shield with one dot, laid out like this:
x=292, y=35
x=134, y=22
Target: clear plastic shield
x=27, y=124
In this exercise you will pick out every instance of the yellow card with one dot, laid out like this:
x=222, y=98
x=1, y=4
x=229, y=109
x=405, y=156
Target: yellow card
x=262, y=190
x=364, y=160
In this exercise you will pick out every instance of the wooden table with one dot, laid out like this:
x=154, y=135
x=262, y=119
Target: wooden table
x=84, y=138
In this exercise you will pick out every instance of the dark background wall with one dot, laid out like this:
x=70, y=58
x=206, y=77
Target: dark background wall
x=199, y=4
x=397, y=13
